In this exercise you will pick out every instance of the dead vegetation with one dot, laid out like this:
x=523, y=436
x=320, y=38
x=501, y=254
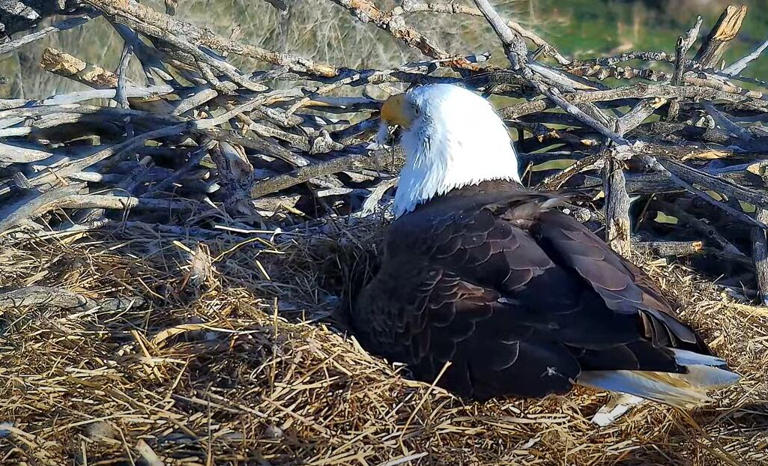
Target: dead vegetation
x=176, y=252
x=216, y=363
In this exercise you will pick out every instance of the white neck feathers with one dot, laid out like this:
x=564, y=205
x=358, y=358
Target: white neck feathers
x=457, y=140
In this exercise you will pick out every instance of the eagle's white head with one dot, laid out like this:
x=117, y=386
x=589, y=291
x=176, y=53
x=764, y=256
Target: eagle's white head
x=452, y=137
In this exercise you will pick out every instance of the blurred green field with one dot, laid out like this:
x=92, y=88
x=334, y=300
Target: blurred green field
x=323, y=31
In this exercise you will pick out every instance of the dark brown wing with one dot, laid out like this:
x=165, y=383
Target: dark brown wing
x=519, y=301
x=624, y=287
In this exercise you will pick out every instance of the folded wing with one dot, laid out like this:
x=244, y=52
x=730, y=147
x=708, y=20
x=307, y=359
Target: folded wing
x=523, y=301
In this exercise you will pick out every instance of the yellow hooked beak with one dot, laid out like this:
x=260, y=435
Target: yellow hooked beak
x=396, y=111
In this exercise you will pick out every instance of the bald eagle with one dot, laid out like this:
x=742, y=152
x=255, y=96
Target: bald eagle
x=520, y=298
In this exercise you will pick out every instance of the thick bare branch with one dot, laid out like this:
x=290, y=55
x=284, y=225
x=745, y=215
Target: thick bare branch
x=725, y=29
x=161, y=26
x=64, y=64
x=9, y=47
x=617, y=230
x=760, y=256
x=412, y=6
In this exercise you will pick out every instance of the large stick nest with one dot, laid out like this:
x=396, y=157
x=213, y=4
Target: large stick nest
x=199, y=359
x=178, y=249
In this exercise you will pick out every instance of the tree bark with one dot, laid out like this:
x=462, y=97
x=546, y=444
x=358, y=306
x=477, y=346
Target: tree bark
x=760, y=256
x=725, y=29
x=616, y=206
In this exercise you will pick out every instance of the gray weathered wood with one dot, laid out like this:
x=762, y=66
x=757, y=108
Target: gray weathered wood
x=616, y=206
x=13, y=45
x=760, y=256
x=724, y=30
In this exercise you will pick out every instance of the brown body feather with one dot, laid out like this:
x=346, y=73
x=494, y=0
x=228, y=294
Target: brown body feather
x=519, y=297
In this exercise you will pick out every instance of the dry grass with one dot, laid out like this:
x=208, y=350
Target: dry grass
x=225, y=362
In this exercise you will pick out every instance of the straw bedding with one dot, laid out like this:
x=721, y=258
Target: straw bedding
x=234, y=352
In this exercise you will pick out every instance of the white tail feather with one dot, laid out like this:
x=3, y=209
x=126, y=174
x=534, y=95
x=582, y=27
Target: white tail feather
x=682, y=390
x=708, y=378
x=643, y=384
x=685, y=358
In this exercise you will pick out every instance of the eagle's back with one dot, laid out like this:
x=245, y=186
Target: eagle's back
x=520, y=298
